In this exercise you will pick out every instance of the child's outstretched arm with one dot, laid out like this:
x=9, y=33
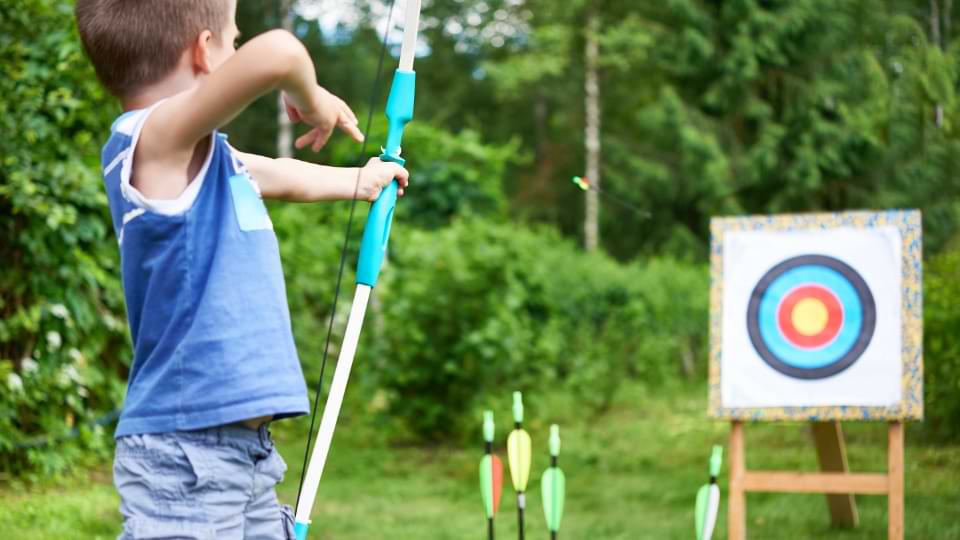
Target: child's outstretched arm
x=273, y=60
x=298, y=181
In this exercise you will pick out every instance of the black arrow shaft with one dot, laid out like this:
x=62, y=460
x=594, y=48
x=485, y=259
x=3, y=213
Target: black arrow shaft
x=520, y=506
x=622, y=203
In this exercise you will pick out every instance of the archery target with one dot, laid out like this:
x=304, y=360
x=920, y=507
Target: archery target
x=811, y=318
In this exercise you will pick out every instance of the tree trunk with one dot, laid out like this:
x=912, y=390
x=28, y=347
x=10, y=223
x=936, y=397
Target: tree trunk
x=937, y=42
x=284, y=126
x=540, y=193
x=687, y=360
x=947, y=14
x=591, y=228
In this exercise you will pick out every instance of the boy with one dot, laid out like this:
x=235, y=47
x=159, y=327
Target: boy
x=214, y=357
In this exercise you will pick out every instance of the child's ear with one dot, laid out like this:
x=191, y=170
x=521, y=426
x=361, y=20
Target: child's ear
x=201, y=53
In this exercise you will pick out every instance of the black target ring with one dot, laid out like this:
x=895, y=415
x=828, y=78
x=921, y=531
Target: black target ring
x=860, y=316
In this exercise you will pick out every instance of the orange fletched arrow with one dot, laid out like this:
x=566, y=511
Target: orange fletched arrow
x=491, y=475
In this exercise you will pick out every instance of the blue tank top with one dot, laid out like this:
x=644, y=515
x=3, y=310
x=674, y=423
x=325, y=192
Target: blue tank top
x=205, y=296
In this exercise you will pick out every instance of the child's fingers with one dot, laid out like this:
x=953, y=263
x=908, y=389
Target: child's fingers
x=308, y=139
x=348, y=111
x=403, y=182
x=315, y=139
x=305, y=139
x=321, y=139
x=300, y=142
x=401, y=175
x=351, y=129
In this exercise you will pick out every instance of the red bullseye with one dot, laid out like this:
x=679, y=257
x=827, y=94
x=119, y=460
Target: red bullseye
x=810, y=316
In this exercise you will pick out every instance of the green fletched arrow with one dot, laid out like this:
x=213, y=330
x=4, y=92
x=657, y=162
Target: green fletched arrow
x=708, y=498
x=553, y=486
x=581, y=183
x=519, y=453
x=586, y=185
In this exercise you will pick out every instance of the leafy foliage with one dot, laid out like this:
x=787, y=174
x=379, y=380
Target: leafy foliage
x=62, y=328
x=455, y=175
x=478, y=308
x=942, y=345
x=733, y=107
x=708, y=108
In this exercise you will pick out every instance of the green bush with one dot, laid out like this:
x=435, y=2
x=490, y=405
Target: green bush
x=677, y=297
x=62, y=329
x=942, y=345
x=481, y=308
x=452, y=175
x=64, y=349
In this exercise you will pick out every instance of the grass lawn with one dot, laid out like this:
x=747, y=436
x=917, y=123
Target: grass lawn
x=631, y=473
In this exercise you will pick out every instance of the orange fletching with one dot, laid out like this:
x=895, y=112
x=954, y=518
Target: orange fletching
x=497, y=469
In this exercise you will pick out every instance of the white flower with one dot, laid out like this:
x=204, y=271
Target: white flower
x=15, y=382
x=60, y=311
x=54, y=339
x=83, y=392
x=77, y=357
x=112, y=322
x=29, y=365
x=71, y=373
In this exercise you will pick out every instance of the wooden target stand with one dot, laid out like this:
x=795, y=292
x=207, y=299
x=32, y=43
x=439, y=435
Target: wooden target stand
x=834, y=480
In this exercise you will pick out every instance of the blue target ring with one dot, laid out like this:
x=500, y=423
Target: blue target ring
x=851, y=319
x=774, y=337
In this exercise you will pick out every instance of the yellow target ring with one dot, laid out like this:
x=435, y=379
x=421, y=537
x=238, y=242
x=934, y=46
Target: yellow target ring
x=810, y=316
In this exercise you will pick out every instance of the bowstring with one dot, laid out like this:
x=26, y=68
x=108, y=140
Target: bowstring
x=343, y=251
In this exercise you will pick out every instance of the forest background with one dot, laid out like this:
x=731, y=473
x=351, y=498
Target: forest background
x=704, y=108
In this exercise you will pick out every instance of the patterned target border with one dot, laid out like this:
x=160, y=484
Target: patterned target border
x=843, y=336
x=909, y=225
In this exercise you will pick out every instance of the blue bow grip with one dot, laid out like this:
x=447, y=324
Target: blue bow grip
x=376, y=233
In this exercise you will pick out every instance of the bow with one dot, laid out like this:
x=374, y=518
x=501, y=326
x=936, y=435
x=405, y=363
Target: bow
x=373, y=247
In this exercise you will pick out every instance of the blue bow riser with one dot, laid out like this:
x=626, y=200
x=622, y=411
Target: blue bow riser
x=376, y=233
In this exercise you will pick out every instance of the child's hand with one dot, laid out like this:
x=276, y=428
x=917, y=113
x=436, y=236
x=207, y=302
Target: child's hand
x=325, y=112
x=376, y=174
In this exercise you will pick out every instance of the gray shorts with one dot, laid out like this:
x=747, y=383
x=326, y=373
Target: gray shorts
x=215, y=483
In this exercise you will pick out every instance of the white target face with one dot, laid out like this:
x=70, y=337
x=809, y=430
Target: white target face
x=811, y=318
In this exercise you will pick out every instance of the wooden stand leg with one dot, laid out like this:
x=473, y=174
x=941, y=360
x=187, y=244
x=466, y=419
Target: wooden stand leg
x=835, y=480
x=737, y=518
x=832, y=455
x=895, y=479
